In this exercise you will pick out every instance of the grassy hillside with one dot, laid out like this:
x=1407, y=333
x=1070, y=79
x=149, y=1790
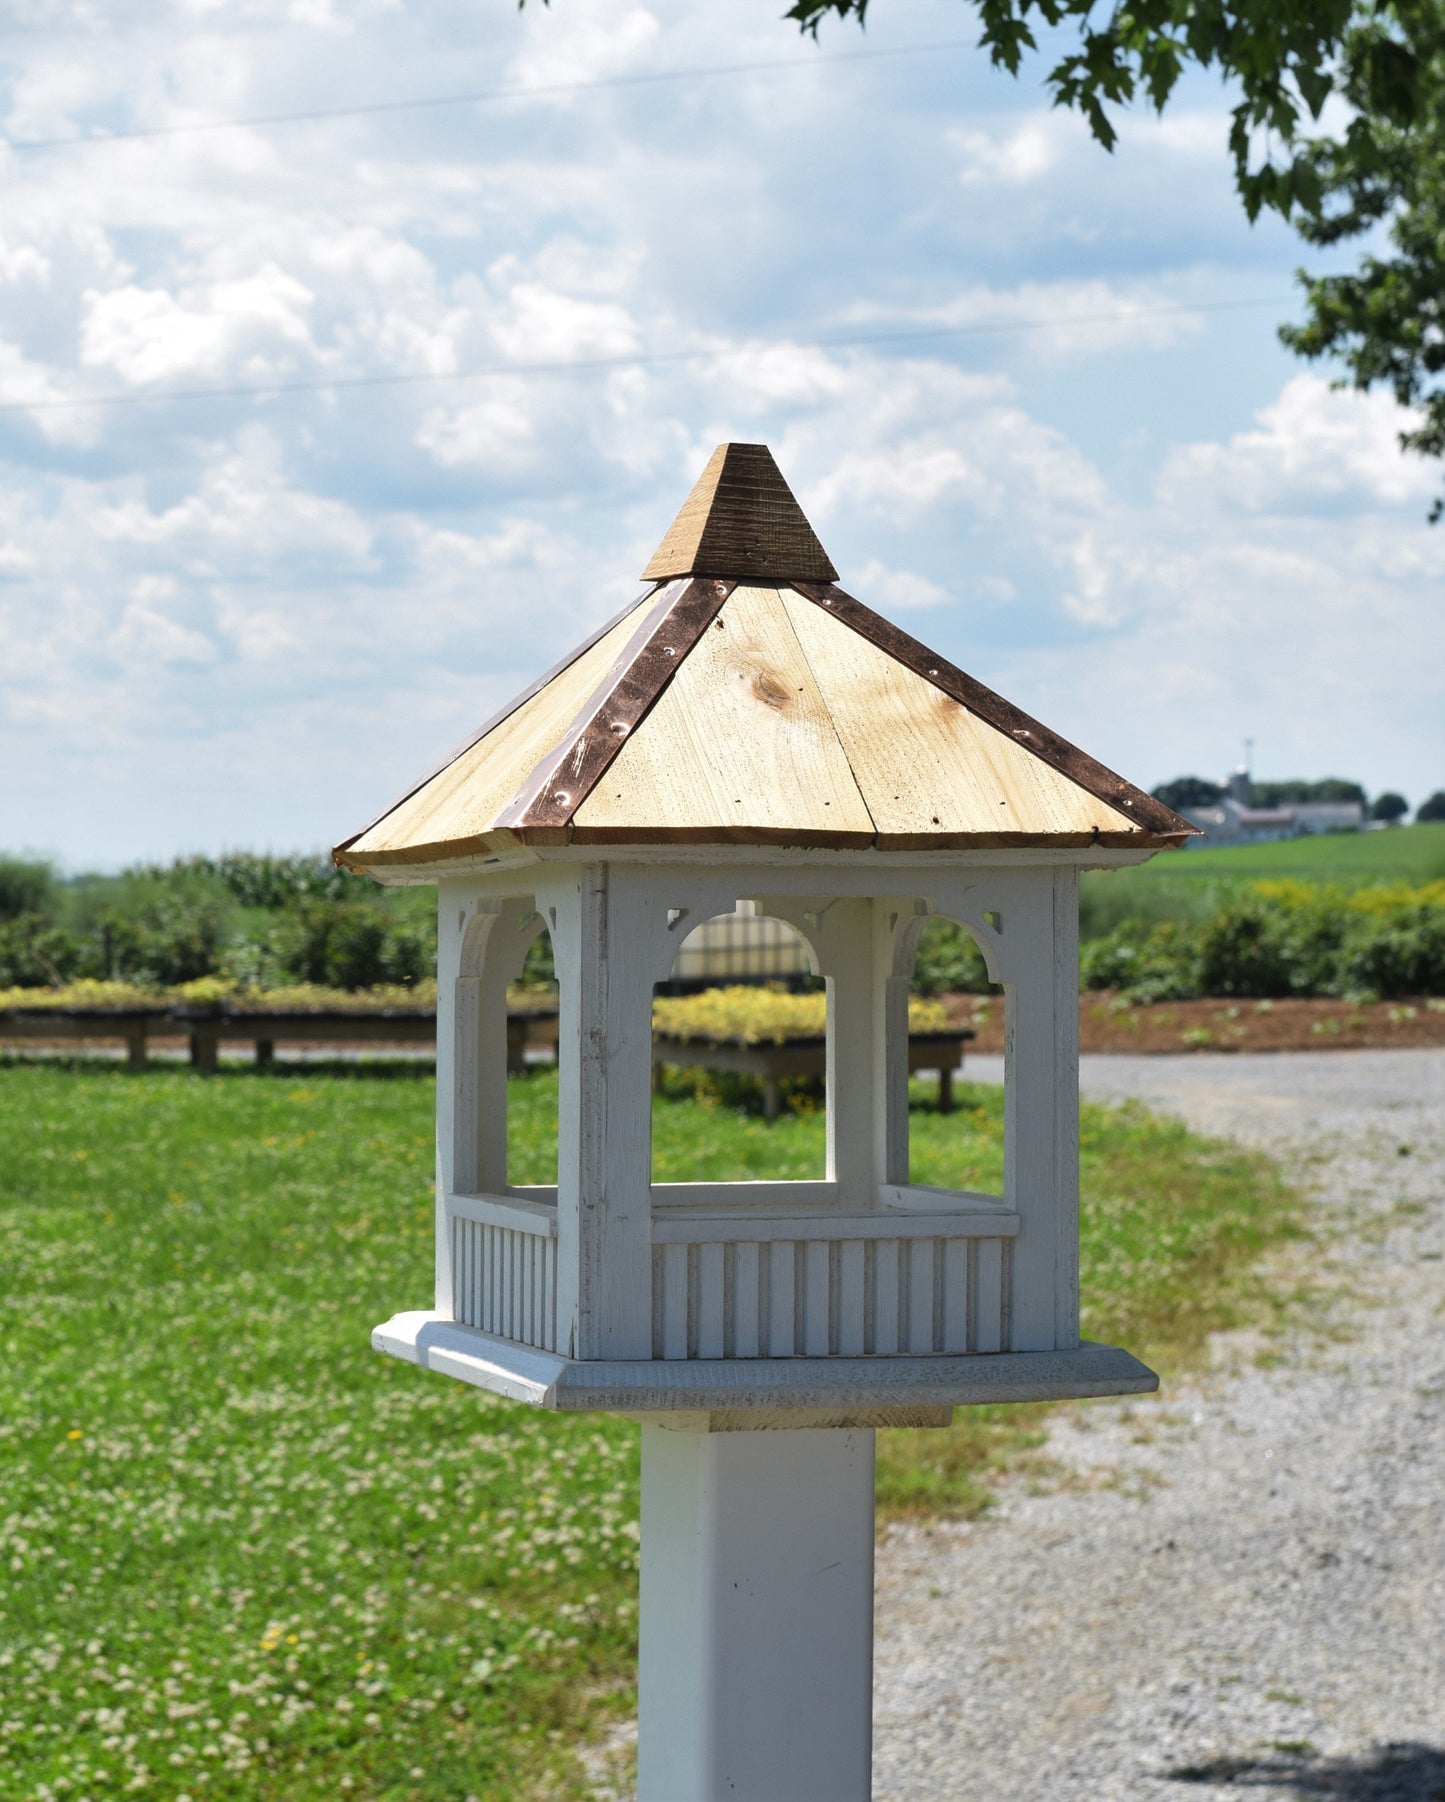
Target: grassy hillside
x=1193, y=884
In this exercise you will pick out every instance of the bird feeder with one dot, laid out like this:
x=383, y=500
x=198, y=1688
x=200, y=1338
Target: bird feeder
x=747, y=732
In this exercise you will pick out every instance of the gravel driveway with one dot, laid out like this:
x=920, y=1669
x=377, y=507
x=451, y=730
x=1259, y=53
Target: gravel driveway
x=1244, y=1593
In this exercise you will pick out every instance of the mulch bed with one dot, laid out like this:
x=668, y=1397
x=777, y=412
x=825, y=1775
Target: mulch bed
x=1107, y=1022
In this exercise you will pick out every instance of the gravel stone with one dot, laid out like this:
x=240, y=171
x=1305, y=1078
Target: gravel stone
x=1240, y=1588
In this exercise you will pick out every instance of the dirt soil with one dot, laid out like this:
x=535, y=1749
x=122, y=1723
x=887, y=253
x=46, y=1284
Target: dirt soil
x=1107, y=1022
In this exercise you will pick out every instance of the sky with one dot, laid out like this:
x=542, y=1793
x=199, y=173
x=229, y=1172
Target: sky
x=1029, y=394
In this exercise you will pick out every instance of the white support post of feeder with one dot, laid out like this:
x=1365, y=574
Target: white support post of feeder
x=756, y=1653
x=1041, y=1112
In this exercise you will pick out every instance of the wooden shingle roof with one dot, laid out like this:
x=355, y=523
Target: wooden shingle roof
x=746, y=699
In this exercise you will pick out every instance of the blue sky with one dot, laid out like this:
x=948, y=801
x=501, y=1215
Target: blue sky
x=247, y=621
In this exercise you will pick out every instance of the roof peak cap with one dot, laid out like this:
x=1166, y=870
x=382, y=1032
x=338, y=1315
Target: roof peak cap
x=741, y=521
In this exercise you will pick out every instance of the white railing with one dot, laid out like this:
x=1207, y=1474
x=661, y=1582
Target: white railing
x=504, y=1266
x=761, y=1270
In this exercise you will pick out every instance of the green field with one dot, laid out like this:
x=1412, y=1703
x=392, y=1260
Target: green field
x=1194, y=884
x=247, y=1558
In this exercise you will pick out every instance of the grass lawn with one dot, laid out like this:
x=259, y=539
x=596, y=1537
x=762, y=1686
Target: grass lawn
x=247, y=1558
x=1194, y=884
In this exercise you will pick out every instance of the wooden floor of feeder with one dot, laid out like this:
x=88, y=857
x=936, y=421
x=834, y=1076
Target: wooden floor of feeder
x=747, y=699
x=833, y=1387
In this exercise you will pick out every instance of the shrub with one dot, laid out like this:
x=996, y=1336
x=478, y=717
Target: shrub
x=353, y=945
x=26, y=887
x=1282, y=938
x=1393, y=955
x=258, y=879
x=949, y=962
x=1272, y=945
x=538, y=970
x=166, y=943
x=745, y=1014
x=1150, y=963
x=36, y=954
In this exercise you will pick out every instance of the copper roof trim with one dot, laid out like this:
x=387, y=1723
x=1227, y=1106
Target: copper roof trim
x=490, y=725
x=562, y=782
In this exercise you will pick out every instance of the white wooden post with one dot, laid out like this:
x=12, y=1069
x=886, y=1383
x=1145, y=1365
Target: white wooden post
x=756, y=1656
x=854, y=1022
x=454, y=905
x=1041, y=1109
x=605, y=945
x=895, y=942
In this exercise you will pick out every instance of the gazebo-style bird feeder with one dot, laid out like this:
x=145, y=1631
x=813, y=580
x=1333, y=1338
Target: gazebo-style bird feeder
x=747, y=731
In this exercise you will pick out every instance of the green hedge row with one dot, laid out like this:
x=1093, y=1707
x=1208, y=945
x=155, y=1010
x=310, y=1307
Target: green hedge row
x=1258, y=949
x=1282, y=938
x=268, y=922
x=338, y=944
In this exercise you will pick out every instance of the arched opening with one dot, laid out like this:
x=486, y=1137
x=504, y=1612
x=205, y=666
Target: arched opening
x=955, y=1134
x=497, y=1020
x=498, y=1267
x=532, y=1016
x=740, y=1028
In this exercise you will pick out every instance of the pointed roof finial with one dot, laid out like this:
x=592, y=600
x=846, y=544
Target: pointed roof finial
x=742, y=522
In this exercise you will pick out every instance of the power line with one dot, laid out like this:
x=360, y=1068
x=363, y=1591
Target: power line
x=646, y=78
x=641, y=360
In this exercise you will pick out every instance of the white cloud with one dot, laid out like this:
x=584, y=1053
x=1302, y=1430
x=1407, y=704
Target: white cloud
x=146, y=635
x=900, y=589
x=605, y=39
x=149, y=335
x=1311, y=445
x=1064, y=321
x=1015, y=158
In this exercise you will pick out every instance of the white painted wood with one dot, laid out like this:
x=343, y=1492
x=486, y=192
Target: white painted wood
x=852, y=1304
x=606, y=945
x=756, y=1629
x=453, y=904
x=512, y=1212
x=674, y=1301
x=748, y=1336
x=740, y=1197
x=1022, y=913
x=710, y=1300
x=706, y=1299
x=780, y=1319
x=1040, y=1109
x=894, y=940
x=708, y=1229
x=646, y=1385
x=815, y=1296
x=855, y=1018
x=505, y=1281
x=913, y=1198
x=987, y=1296
x=920, y=1261
x=886, y=1326
x=1066, y=1109
x=955, y=1295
